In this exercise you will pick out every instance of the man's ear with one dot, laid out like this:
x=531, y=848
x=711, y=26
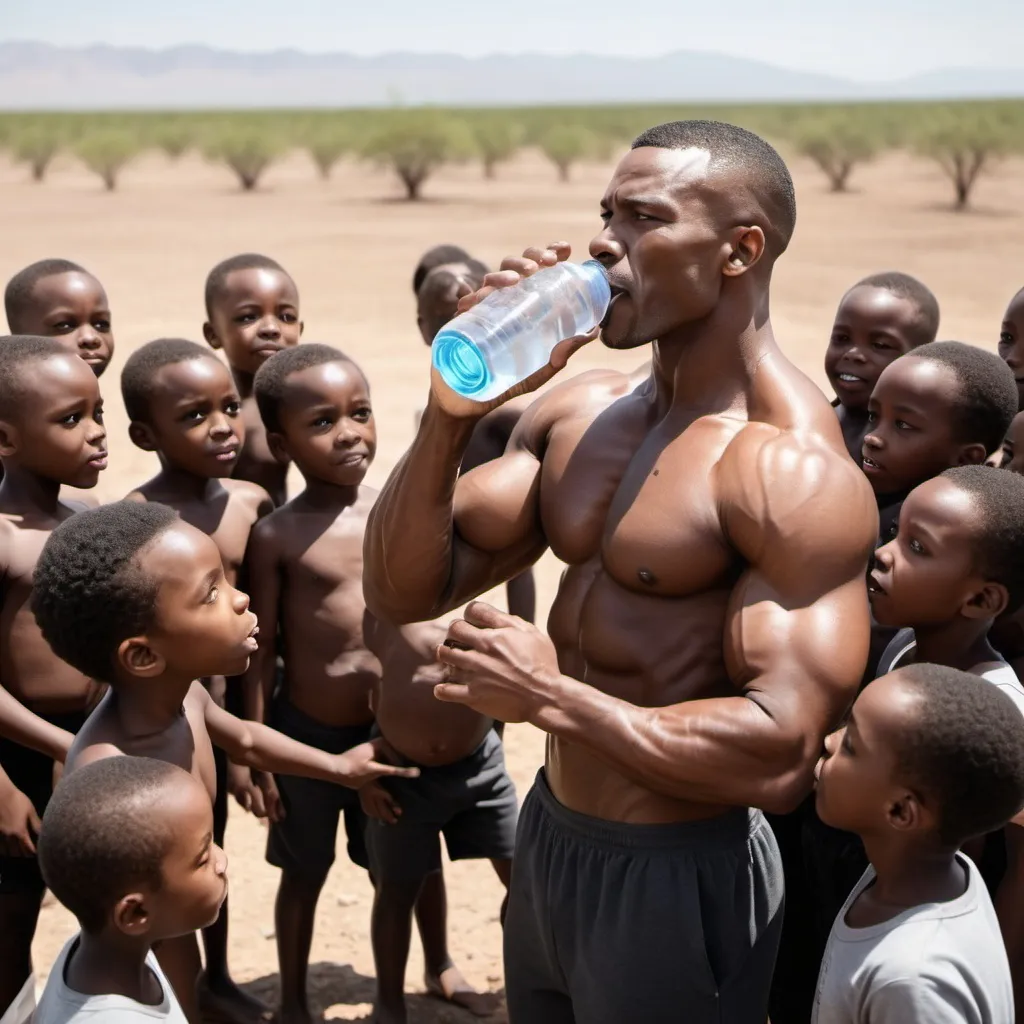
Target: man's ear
x=141, y=435
x=8, y=439
x=278, y=447
x=972, y=455
x=139, y=659
x=131, y=916
x=211, y=338
x=747, y=246
x=987, y=603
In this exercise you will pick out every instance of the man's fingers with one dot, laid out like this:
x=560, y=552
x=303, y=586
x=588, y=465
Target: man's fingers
x=482, y=615
x=457, y=660
x=562, y=250
x=452, y=693
x=562, y=352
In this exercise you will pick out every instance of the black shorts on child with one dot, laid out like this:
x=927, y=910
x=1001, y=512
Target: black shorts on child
x=471, y=802
x=303, y=843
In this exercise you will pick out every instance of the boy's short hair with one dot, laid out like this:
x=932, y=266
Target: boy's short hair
x=999, y=497
x=965, y=751
x=217, y=277
x=18, y=293
x=100, y=839
x=88, y=594
x=17, y=352
x=270, y=382
x=988, y=391
x=904, y=286
x=435, y=257
x=142, y=366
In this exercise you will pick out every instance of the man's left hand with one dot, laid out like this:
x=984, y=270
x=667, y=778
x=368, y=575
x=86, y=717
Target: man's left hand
x=500, y=665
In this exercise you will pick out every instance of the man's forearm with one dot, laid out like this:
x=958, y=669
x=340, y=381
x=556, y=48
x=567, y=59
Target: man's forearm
x=20, y=725
x=719, y=750
x=408, y=544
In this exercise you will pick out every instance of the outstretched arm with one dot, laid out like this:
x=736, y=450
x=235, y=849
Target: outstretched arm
x=796, y=639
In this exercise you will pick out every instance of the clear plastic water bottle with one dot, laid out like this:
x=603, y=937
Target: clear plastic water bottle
x=510, y=334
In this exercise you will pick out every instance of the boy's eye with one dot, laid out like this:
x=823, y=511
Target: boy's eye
x=289, y=318
x=194, y=416
x=98, y=415
x=872, y=416
x=1005, y=338
x=606, y=215
x=212, y=595
x=232, y=408
x=64, y=325
x=103, y=326
x=72, y=419
x=881, y=346
x=322, y=421
x=904, y=425
x=846, y=745
x=245, y=318
x=915, y=546
x=362, y=415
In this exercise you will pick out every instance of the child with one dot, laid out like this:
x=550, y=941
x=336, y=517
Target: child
x=183, y=405
x=880, y=318
x=463, y=791
x=1011, y=455
x=929, y=758
x=132, y=595
x=59, y=299
x=435, y=257
x=1011, y=342
x=51, y=433
x=306, y=578
x=252, y=309
x=127, y=847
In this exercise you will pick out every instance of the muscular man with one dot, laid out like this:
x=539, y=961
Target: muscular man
x=712, y=623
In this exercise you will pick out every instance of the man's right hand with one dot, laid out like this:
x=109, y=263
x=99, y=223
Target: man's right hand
x=19, y=823
x=513, y=270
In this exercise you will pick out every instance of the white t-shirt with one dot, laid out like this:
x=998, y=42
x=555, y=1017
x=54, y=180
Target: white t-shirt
x=61, y=1005
x=940, y=963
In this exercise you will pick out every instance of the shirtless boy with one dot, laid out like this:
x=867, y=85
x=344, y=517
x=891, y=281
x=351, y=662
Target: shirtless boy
x=711, y=625
x=132, y=595
x=183, y=405
x=879, y=319
x=1011, y=342
x=463, y=791
x=51, y=433
x=305, y=567
x=252, y=310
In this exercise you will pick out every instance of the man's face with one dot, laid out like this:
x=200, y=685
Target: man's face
x=664, y=243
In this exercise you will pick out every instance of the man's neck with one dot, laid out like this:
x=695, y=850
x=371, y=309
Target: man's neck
x=112, y=965
x=24, y=491
x=318, y=494
x=243, y=383
x=961, y=644
x=182, y=485
x=911, y=875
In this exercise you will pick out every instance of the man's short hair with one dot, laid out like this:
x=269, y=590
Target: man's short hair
x=270, y=383
x=88, y=592
x=998, y=496
x=903, y=286
x=767, y=176
x=100, y=839
x=435, y=257
x=139, y=373
x=217, y=278
x=964, y=751
x=988, y=392
x=18, y=294
x=17, y=353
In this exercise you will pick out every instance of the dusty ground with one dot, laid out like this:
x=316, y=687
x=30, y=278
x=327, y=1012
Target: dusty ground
x=352, y=249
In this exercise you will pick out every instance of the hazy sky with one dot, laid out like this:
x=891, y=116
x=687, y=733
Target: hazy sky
x=870, y=39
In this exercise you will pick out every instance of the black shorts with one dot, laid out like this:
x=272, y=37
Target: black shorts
x=611, y=923
x=471, y=802
x=303, y=844
x=32, y=773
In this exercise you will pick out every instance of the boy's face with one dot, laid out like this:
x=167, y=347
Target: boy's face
x=435, y=306
x=1011, y=342
x=56, y=431
x=327, y=424
x=74, y=308
x=911, y=434
x=872, y=328
x=927, y=575
x=195, y=420
x=255, y=314
x=1011, y=456
x=194, y=872
x=857, y=785
x=202, y=625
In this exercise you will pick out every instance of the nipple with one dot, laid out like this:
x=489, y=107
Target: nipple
x=646, y=576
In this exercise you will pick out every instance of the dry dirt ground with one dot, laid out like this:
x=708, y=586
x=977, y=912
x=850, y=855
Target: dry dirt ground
x=352, y=246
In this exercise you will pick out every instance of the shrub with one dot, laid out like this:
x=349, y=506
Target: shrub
x=497, y=139
x=326, y=144
x=567, y=144
x=35, y=144
x=837, y=143
x=247, y=148
x=106, y=151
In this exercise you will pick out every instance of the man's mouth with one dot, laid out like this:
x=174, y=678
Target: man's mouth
x=617, y=293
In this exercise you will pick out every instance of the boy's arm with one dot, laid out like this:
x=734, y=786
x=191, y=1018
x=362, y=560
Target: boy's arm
x=1009, y=902
x=19, y=725
x=19, y=823
x=262, y=570
x=259, y=746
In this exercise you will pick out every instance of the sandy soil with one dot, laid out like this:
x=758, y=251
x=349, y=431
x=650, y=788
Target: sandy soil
x=352, y=247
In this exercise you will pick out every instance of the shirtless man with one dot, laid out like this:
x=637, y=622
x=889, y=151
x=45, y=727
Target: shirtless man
x=711, y=626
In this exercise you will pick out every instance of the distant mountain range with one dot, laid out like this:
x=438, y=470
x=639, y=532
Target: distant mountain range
x=40, y=76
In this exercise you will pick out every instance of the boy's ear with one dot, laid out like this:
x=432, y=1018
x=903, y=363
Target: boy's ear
x=131, y=916
x=278, y=447
x=141, y=435
x=302, y=327
x=139, y=659
x=972, y=455
x=747, y=247
x=907, y=813
x=8, y=439
x=987, y=603
x=211, y=338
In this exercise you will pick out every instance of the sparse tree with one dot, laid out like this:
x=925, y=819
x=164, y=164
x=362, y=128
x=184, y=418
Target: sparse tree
x=497, y=139
x=326, y=144
x=35, y=144
x=246, y=149
x=567, y=144
x=415, y=143
x=106, y=151
x=965, y=143
x=837, y=142
x=174, y=136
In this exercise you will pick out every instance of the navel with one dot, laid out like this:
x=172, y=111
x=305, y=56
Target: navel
x=647, y=577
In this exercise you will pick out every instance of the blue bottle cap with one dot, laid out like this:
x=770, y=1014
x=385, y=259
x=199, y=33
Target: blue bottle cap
x=460, y=364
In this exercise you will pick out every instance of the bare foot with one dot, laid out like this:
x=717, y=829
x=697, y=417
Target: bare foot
x=452, y=987
x=226, y=1003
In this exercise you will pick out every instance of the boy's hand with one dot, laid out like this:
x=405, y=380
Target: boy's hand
x=378, y=803
x=19, y=823
x=513, y=270
x=360, y=765
x=245, y=791
x=272, y=803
